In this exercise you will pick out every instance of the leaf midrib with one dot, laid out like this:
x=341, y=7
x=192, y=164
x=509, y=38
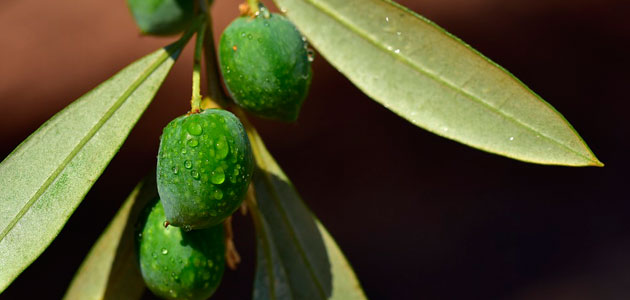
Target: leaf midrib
x=108, y=114
x=267, y=251
x=440, y=80
x=285, y=219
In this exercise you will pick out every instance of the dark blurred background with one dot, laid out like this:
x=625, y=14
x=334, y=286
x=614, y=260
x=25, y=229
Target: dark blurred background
x=418, y=216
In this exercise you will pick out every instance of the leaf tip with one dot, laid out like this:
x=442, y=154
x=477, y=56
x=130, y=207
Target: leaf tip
x=596, y=163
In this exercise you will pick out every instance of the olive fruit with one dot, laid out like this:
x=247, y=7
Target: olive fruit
x=204, y=167
x=161, y=17
x=176, y=264
x=266, y=65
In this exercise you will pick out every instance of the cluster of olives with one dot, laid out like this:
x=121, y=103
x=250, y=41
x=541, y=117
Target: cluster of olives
x=205, y=161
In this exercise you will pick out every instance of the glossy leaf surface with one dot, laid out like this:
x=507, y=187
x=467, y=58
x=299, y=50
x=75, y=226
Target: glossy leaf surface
x=45, y=178
x=110, y=270
x=297, y=257
x=437, y=82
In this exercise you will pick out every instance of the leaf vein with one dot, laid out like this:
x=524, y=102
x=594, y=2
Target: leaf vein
x=108, y=114
x=322, y=7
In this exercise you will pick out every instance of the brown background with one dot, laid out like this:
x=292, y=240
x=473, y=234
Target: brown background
x=418, y=216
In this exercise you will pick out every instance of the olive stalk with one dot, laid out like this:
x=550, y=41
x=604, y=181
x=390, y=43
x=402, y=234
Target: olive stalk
x=253, y=6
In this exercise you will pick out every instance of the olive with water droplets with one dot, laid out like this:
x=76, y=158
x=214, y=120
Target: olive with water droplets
x=266, y=65
x=204, y=167
x=176, y=264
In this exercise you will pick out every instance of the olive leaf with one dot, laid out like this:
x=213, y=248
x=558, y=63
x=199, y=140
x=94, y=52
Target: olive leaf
x=434, y=80
x=45, y=178
x=296, y=257
x=109, y=270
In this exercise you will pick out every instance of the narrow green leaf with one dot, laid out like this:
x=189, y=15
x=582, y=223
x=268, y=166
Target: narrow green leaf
x=45, y=178
x=297, y=257
x=434, y=80
x=109, y=271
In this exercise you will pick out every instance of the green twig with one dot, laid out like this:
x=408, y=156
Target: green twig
x=253, y=6
x=213, y=77
x=195, y=102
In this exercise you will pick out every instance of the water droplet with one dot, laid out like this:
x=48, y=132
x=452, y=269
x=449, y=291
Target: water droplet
x=187, y=228
x=173, y=293
x=140, y=234
x=194, y=128
x=266, y=24
x=193, y=143
x=218, y=194
x=236, y=172
x=265, y=12
x=242, y=34
x=222, y=147
x=188, y=164
x=249, y=37
x=184, y=151
x=398, y=33
x=154, y=255
x=310, y=54
x=283, y=10
x=511, y=138
x=218, y=176
x=164, y=251
x=194, y=174
x=390, y=48
x=387, y=19
x=397, y=51
x=175, y=170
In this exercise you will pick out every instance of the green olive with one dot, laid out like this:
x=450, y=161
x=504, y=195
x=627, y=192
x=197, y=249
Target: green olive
x=176, y=264
x=161, y=17
x=266, y=66
x=204, y=168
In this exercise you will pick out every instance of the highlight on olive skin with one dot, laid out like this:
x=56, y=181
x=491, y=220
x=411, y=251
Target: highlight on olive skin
x=266, y=65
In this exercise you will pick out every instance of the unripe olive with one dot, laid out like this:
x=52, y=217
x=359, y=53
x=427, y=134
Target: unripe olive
x=161, y=17
x=205, y=165
x=266, y=66
x=176, y=264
